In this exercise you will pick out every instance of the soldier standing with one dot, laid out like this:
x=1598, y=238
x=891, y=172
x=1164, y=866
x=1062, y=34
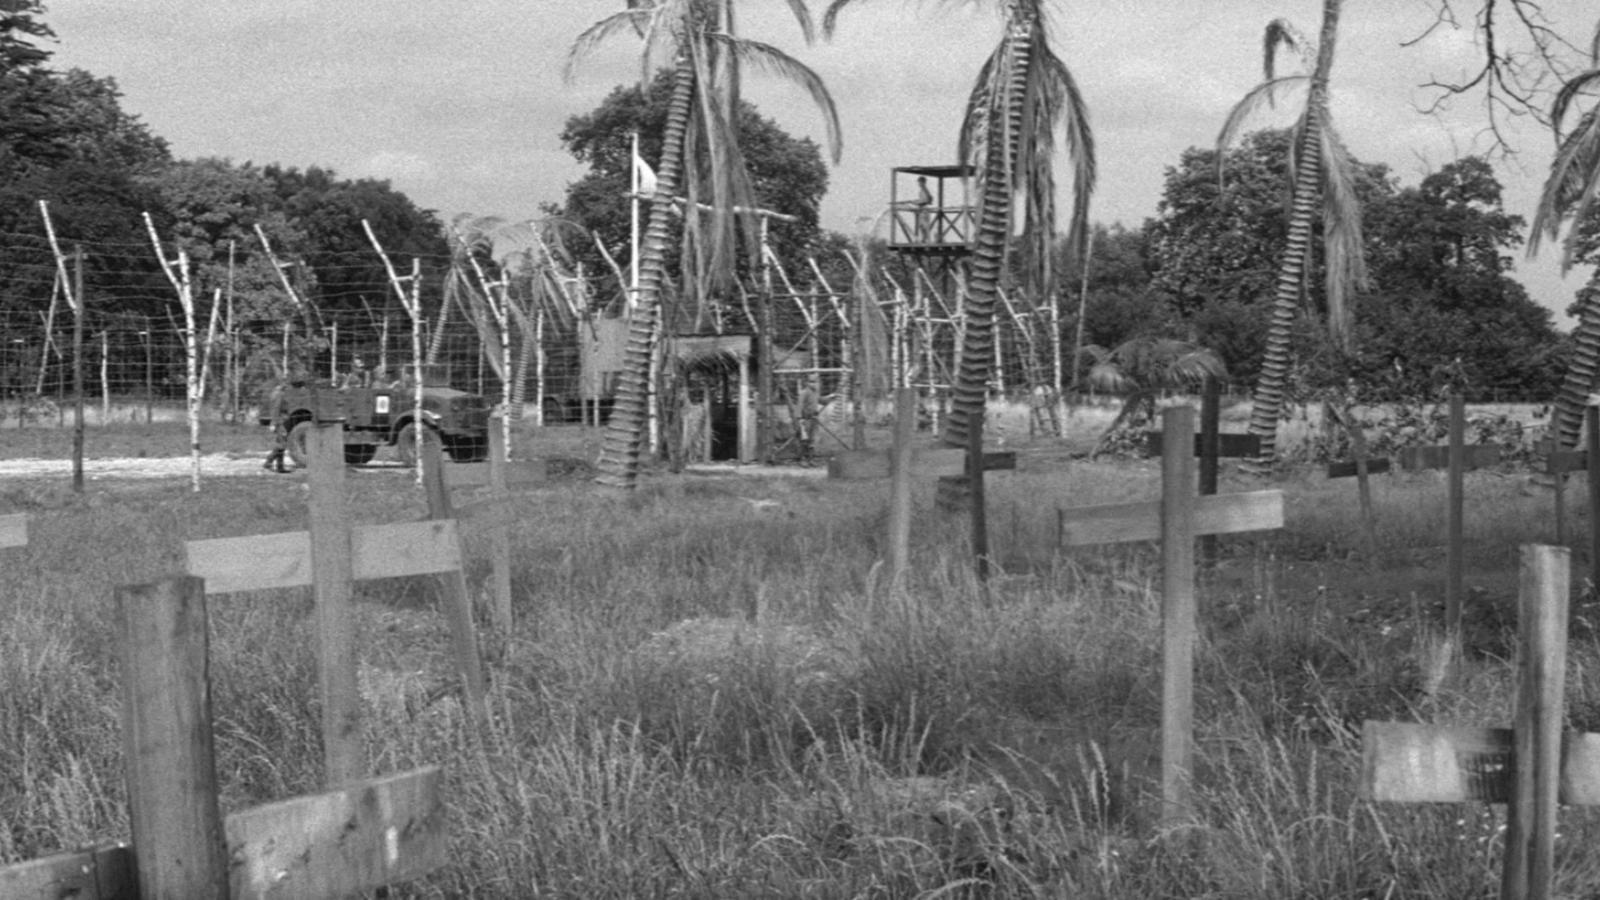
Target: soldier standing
x=280, y=430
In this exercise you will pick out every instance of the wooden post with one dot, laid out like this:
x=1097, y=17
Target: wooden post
x=343, y=752
x=905, y=424
x=1541, y=680
x=457, y=599
x=167, y=742
x=1453, y=541
x=980, y=511
x=1591, y=427
x=499, y=541
x=1210, y=452
x=1177, y=611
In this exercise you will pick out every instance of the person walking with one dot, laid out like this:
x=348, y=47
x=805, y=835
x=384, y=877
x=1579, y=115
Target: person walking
x=280, y=430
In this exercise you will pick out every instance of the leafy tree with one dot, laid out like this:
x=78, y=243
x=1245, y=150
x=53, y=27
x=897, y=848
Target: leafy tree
x=1022, y=96
x=787, y=174
x=1142, y=367
x=1322, y=171
x=699, y=142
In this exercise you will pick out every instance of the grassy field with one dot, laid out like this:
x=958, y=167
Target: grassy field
x=709, y=696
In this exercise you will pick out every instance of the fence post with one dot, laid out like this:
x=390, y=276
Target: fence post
x=1541, y=682
x=167, y=742
x=1177, y=610
x=1454, y=550
x=1210, y=451
x=332, y=571
x=500, y=541
x=905, y=425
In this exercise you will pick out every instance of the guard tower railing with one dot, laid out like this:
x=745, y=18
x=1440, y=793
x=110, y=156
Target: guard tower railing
x=930, y=209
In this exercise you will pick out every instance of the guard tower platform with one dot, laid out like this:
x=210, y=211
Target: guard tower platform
x=931, y=211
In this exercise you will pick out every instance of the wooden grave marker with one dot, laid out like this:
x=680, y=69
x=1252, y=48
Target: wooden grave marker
x=1175, y=520
x=1532, y=767
x=498, y=475
x=1229, y=445
x=330, y=557
x=356, y=838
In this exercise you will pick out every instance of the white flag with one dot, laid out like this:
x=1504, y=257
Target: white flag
x=644, y=178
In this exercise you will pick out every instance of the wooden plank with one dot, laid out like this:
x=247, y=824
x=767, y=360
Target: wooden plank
x=267, y=561
x=457, y=599
x=14, y=530
x=167, y=740
x=900, y=467
x=1347, y=468
x=1541, y=684
x=1178, y=503
x=1455, y=515
x=499, y=540
x=382, y=831
x=518, y=471
x=1122, y=522
x=101, y=873
x=1562, y=461
x=1417, y=459
x=926, y=462
x=1230, y=445
x=396, y=549
x=1407, y=762
x=254, y=563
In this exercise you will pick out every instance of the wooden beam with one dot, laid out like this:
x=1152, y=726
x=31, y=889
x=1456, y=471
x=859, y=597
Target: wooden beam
x=1229, y=445
x=1123, y=522
x=283, y=560
x=372, y=833
x=332, y=573
x=1407, y=762
x=926, y=462
x=1178, y=531
x=14, y=530
x=1561, y=462
x=1477, y=456
x=518, y=471
x=1347, y=468
x=101, y=873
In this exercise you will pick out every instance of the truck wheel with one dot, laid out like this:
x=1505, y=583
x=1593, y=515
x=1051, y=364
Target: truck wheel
x=298, y=451
x=406, y=445
x=359, y=454
x=468, y=449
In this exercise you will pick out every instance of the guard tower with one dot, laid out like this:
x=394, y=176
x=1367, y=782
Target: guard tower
x=932, y=221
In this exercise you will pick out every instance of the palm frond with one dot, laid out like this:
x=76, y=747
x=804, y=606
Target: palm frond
x=1569, y=92
x=1571, y=187
x=639, y=21
x=1261, y=94
x=771, y=60
x=1344, y=260
x=1281, y=32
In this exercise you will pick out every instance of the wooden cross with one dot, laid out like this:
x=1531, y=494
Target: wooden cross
x=1532, y=767
x=1175, y=520
x=330, y=557
x=356, y=838
x=500, y=473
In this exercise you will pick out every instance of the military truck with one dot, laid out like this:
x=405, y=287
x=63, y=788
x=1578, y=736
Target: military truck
x=381, y=415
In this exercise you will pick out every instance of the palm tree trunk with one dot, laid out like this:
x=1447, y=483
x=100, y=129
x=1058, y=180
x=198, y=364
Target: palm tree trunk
x=1575, y=388
x=624, y=436
x=970, y=395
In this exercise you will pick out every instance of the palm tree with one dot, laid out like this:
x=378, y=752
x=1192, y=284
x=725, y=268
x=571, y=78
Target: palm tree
x=1570, y=191
x=1023, y=94
x=1320, y=167
x=1142, y=367
x=697, y=35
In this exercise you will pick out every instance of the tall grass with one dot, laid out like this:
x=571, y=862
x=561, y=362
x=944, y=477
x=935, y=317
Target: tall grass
x=709, y=696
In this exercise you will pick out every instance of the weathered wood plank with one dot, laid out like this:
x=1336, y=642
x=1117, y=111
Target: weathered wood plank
x=1122, y=522
x=518, y=471
x=14, y=530
x=1406, y=762
x=254, y=563
x=283, y=560
x=1416, y=459
x=100, y=873
x=333, y=621
x=1563, y=461
x=1347, y=468
x=382, y=831
x=926, y=462
x=1230, y=445
x=394, y=549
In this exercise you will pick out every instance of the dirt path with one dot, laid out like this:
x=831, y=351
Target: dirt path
x=212, y=465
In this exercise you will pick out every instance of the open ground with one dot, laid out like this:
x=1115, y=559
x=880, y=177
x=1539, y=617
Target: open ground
x=707, y=693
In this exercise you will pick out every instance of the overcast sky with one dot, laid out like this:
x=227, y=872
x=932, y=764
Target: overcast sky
x=459, y=104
